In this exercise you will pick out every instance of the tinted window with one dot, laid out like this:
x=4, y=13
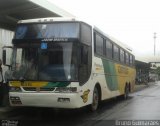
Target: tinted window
x=109, y=49
x=39, y=31
x=85, y=63
x=127, y=58
x=122, y=56
x=99, y=45
x=86, y=34
x=116, y=52
x=131, y=60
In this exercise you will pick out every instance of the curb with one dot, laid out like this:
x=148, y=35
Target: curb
x=139, y=87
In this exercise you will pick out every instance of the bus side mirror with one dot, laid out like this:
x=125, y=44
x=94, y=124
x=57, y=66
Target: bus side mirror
x=6, y=55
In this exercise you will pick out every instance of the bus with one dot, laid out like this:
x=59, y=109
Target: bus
x=67, y=63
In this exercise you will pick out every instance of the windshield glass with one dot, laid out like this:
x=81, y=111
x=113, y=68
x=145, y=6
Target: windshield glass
x=56, y=63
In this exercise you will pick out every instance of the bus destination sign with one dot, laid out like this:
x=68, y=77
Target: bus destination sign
x=55, y=40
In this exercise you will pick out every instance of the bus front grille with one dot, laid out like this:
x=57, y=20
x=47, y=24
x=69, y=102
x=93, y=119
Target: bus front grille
x=29, y=88
x=38, y=89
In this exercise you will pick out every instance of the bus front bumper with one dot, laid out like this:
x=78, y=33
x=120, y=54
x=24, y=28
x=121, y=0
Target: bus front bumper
x=55, y=100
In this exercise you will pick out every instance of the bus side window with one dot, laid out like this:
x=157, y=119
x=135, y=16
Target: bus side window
x=84, y=55
x=116, y=52
x=99, y=44
x=109, y=49
x=127, y=58
x=84, y=64
x=131, y=60
x=122, y=57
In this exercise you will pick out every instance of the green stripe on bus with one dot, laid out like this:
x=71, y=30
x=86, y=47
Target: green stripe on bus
x=57, y=84
x=110, y=75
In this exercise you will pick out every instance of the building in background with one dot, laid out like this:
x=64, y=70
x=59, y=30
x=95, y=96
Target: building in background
x=147, y=68
x=5, y=39
x=142, y=71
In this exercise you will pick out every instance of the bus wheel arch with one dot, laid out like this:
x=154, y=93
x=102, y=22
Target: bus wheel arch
x=99, y=91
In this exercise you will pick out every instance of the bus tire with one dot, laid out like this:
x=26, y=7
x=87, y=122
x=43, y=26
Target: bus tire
x=95, y=100
x=126, y=91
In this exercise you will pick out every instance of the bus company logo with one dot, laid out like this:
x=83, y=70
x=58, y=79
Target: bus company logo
x=85, y=96
x=122, y=70
x=98, y=66
x=9, y=123
x=26, y=84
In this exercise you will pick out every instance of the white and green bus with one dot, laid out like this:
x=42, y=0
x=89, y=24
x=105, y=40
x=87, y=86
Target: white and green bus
x=66, y=63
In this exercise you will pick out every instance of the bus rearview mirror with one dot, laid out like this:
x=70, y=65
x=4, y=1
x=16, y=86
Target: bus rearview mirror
x=6, y=55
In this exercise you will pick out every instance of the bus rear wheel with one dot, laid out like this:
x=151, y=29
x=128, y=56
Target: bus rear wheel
x=126, y=92
x=95, y=100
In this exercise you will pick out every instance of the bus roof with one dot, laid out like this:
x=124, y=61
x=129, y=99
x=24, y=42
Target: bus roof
x=49, y=19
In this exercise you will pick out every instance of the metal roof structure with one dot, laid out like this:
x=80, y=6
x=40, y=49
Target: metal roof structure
x=149, y=59
x=13, y=10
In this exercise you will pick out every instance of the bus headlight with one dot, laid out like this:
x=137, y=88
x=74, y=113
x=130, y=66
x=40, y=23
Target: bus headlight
x=15, y=89
x=66, y=89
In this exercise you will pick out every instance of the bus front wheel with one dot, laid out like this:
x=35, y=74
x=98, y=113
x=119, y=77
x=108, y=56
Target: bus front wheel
x=95, y=100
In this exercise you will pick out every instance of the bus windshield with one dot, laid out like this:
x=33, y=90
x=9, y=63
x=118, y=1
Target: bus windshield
x=57, y=63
